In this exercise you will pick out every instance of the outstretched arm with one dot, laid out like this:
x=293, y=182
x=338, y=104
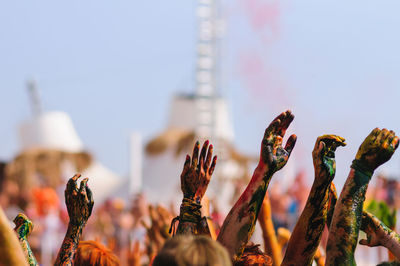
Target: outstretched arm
x=23, y=227
x=240, y=222
x=378, y=234
x=195, y=178
x=376, y=149
x=79, y=205
x=307, y=233
x=10, y=250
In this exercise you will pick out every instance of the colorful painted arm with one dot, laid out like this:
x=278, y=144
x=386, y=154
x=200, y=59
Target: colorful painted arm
x=376, y=149
x=10, y=249
x=79, y=205
x=195, y=178
x=332, y=199
x=23, y=227
x=272, y=247
x=240, y=222
x=307, y=233
x=378, y=234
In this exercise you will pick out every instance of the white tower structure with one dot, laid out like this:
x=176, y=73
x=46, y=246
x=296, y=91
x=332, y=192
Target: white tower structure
x=203, y=114
x=206, y=82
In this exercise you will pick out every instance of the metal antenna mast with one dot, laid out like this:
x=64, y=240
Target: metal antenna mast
x=34, y=97
x=207, y=66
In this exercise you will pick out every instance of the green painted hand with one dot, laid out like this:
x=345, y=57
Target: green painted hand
x=377, y=148
x=377, y=232
x=23, y=226
x=324, y=155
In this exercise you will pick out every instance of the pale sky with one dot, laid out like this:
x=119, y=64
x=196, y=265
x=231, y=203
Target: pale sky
x=114, y=66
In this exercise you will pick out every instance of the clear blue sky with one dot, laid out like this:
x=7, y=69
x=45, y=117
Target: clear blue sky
x=114, y=65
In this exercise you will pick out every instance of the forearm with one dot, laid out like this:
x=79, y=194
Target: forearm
x=307, y=233
x=272, y=247
x=190, y=221
x=240, y=222
x=332, y=199
x=346, y=220
x=10, y=251
x=69, y=246
x=27, y=251
x=187, y=228
x=393, y=244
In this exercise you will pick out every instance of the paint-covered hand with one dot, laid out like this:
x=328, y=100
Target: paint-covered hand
x=377, y=148
x=273, y=155
x=197, y=172
x=23, y=226
x=79, y=201
x=324, y=156
x=377, y=232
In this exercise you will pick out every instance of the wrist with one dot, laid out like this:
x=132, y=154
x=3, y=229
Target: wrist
x=190, y=211
x=262, y=170
x=363, y=167
x=363, y=174
x=75, y=225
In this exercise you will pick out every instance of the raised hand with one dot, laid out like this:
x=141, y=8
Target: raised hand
x=377, y=148
x=79, y=201
x=195, y=178
x=197, y=172
x=23, y=227
x=324, y=156
x=239, y=224
x=304, y=241
x=79, y=205
x=273, y=155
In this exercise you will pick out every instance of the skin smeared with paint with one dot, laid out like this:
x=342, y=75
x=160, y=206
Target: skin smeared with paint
x=272, y=247
x=79, y=205
x=239, y=224
x=376, y=149
x=332, y=199
x=378, y=234
x=10, y=249
x=306, y=236
x=195, y=177
x=23, y=227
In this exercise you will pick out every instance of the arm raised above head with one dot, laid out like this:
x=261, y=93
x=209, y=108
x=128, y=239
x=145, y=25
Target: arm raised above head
x=23, y=227
x=307, y=233
x=79, y=205
x=240, y=222
x=195, y=177
x=376, y=149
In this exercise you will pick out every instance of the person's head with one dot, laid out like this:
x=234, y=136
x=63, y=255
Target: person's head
x=252, y=255
x=192, y=250
x=94, y=253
